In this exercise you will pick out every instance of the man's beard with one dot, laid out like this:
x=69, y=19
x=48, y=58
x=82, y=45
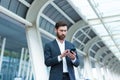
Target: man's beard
x=61, y=37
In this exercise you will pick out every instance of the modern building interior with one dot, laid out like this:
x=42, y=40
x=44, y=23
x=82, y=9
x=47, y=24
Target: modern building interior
x=27, y=25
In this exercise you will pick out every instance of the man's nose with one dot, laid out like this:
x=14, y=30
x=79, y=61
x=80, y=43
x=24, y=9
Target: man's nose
x=63, y=32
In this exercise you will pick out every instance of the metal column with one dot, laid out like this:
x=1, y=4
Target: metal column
x=28, y=70
x=20, y=64
x=24, y=63
x=2, y=52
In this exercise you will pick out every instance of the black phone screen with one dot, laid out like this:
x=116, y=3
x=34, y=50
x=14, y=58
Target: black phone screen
x=72, y=50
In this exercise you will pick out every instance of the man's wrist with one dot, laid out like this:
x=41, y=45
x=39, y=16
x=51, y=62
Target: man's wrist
x=74, y=60
x=59, y=58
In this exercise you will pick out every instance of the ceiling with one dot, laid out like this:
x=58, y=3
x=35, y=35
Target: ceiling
x=104, y=18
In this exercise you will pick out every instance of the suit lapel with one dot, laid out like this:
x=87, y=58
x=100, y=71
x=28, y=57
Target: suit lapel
x=56, y=46
x=66, y=46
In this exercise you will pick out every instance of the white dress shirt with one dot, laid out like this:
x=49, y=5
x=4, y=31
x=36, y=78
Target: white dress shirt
x=62, y=49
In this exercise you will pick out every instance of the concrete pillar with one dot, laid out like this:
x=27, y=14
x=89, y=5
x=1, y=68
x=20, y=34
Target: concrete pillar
x=98, y=70
x=77, y=73
x=105, y=73
x=87, y=68
x=110, y=74
x=36, y=53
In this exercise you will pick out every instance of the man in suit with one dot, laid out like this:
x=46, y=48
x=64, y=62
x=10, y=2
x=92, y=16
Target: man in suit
x=59, y=57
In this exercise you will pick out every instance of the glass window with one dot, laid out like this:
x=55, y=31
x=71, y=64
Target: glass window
x=104, y=20
x=95, y=48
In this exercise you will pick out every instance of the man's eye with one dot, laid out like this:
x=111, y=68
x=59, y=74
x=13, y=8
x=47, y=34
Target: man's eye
x=63, y=30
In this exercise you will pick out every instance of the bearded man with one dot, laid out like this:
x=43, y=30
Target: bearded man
x=59, y=57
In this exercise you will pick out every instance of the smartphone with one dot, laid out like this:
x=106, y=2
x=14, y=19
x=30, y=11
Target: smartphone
x=73, y=49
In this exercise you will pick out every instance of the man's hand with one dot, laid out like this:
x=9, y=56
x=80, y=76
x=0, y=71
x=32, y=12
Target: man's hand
x=65, y=53
x=72, y=55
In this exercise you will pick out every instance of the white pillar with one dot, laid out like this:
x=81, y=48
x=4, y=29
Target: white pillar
x=88, y=68
x=36, y=53
x=113, y=74
x=110, y=74
x=77, y=73
x=20, y=64
x=98, y=70
x=31, y=72
x=105, y=73
x=28, y=70
x=24, y=63
x=2, y=52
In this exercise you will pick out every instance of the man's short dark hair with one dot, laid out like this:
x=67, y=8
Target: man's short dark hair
x=60, y=23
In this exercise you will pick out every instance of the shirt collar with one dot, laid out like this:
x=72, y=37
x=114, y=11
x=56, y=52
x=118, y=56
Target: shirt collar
x=60, y=42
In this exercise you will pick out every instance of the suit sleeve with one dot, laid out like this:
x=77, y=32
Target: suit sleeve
x=77, y=61
x=49, y=59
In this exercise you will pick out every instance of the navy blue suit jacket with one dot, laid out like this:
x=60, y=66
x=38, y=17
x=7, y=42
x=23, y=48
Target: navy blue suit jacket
x=51, y=52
